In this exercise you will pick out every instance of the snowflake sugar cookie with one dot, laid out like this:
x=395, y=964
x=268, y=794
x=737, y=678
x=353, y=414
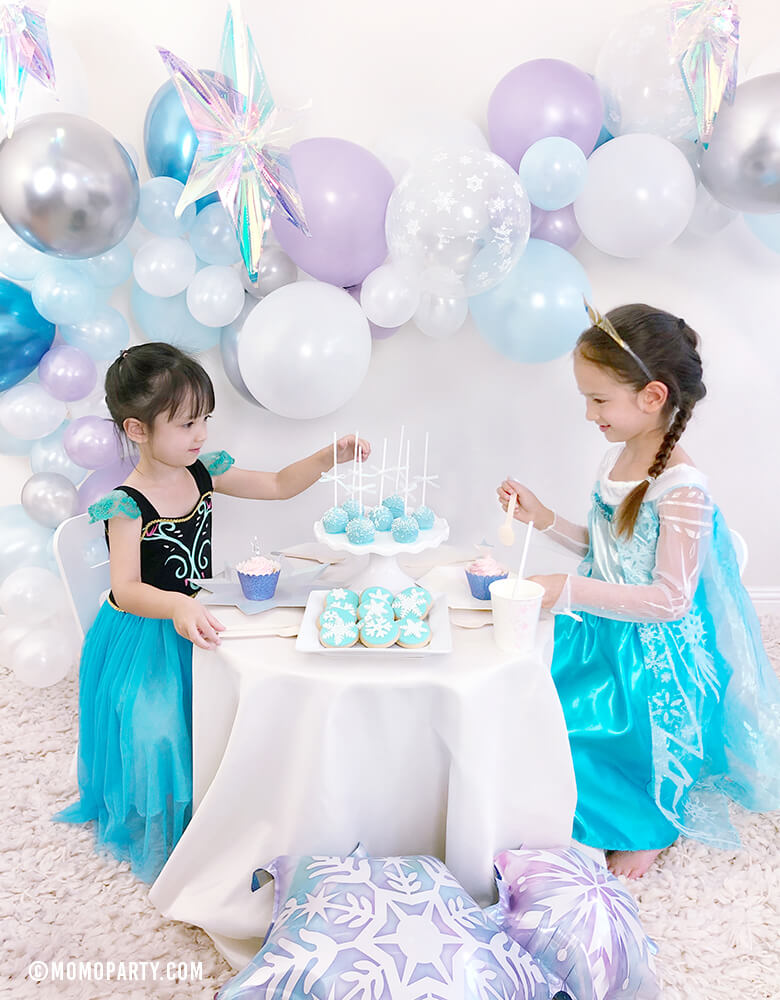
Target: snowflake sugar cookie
x=412, y=602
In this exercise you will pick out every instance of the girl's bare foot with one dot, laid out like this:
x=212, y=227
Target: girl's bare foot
x=632, y=864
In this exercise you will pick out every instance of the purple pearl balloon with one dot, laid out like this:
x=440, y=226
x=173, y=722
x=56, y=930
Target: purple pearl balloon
x=344, y=189
x=377, y=332
x=559, y=227
x=541, y=98
x=91, y=442
x=103, y=481
x=67, y=373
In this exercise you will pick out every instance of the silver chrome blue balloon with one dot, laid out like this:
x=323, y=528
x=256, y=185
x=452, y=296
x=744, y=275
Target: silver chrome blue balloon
x=69, y=187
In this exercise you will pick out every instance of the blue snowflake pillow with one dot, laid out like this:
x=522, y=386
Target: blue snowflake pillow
x=360, y=928
x=577, y=922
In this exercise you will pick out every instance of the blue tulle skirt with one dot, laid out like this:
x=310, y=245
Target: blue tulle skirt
x=669, y=722
x=135, y=738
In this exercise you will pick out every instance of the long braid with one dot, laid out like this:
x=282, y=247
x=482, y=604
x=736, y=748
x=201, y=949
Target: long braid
x=628, y=511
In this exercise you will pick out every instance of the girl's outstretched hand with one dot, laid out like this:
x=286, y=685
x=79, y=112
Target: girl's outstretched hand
x=345, y=449
x=529, y=506
x=193, y=621
x=553, y=584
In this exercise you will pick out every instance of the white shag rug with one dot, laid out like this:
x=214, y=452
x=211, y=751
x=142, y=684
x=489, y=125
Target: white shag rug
x=715, y=915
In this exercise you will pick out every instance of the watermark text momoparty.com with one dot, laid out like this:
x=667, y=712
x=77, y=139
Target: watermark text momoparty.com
x=75, y=971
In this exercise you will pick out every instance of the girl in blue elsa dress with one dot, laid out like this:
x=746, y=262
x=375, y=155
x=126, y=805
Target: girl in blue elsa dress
x=671, y=704
x=135, y=681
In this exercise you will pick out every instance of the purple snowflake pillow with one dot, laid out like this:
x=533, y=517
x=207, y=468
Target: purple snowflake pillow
x=380, y=929
x=577, y=921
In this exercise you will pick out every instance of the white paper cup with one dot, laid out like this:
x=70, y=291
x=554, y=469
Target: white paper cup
x=515, y=617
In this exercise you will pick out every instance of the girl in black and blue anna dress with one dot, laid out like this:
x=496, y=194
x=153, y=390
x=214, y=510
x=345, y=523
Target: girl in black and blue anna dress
x=135, y=684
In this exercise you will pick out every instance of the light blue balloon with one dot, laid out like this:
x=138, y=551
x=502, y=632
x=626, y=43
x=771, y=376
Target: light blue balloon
x=213, y=236
x=111, y=268
x=10, y=445
x=23, y=542
x=766, y=228
x=18, y=260
x=48, y=455
x=63, y=293
x=537, y=312
x=102, y=336
x=553, y=172
x=156, y=211
x=169, y=320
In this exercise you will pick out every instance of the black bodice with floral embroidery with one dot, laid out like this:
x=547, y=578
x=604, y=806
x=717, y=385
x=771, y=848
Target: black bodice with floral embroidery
x=175, y=552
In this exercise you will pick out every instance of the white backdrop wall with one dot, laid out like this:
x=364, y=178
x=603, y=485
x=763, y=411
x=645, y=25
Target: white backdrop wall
x=365, y=67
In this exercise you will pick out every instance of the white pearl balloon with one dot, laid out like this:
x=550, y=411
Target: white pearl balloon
x=31, y=595
x=215, y=296
x=164, y=266
x=27, y=411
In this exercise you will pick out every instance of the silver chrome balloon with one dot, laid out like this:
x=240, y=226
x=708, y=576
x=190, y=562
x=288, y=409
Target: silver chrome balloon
x=50, y=498
x=228, y=346
x=741, y=165
x=69, y=188
x=274, y=271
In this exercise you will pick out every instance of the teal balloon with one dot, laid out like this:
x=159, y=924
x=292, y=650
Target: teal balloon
x=25, y=336
x=766, y=228
x=537, y=312
x=169, y=139
x=169, y=320
x=23, y=542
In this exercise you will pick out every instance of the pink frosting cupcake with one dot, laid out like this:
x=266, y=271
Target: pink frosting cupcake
x=481, y=573
x=258, y=577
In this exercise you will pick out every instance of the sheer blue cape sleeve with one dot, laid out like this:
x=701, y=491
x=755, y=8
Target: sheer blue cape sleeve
x=217, y=462
x=113, y=503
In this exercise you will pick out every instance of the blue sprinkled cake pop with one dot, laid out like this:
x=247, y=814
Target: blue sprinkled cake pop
x=360, y=531
x=405, y=529
x=424, y=517
x=334, y=520
x=382, y=518
x=395, y=504
x=352, y=507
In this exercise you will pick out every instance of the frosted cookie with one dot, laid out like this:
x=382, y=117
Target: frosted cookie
x=381, y=518
x=375, y=606
x=339, y=635
x=331, y=615
x=413, y=632
x=412, y=602
x=377, y=632
x=335, y=520
x=342, y=594
x=380, y=593
x=405, y=529
x=395, y=504
x=352, y=508
x=424, y=517
x=360, y=531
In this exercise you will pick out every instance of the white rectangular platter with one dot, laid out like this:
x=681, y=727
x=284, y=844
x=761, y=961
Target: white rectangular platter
x=308, y=640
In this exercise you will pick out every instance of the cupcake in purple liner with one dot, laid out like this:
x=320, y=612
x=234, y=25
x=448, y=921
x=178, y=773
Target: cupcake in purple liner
x=481, y=573
x=258, y=577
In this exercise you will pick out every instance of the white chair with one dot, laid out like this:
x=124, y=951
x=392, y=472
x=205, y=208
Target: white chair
x=740, y=550
x=82, y=556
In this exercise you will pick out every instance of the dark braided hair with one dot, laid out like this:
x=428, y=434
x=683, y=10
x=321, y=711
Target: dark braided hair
x=669, y=349
x=150, y=379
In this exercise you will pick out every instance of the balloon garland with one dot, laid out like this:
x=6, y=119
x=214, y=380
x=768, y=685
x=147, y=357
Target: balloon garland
x=660, y=140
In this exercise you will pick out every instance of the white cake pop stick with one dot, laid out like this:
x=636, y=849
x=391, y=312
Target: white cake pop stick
x=382, y=472
x=400, y=456
x=406, y=479
x=335, y=476
x=425, y=470
x=354, y=465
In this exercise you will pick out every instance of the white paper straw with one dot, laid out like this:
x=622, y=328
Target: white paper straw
x=382, y=473
x=335, y=471
x=523, y=557
x=425, y=470
x=400, y=456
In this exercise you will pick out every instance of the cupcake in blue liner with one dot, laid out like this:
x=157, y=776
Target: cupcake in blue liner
x=258, y=577
x=481, y=573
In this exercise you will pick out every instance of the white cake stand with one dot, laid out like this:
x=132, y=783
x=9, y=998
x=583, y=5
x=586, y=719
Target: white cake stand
x=383, y=569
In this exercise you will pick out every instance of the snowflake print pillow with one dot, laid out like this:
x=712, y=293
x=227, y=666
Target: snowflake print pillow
x=578, y=923
x=380, y=929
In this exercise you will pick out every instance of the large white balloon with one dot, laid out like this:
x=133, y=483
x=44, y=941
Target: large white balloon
x=27, y=411
x=305, y=349
x=638, y=196
x=43, y=657
x=31, y=595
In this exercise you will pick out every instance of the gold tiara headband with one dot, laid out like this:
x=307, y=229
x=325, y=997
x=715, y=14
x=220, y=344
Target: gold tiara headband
x=606, y=327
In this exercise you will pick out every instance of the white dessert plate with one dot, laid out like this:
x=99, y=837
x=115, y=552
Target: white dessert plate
x=451, y=580
x=308, y=640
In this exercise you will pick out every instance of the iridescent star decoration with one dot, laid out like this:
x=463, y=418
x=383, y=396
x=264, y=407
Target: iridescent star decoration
x=236, y=124
x=24, y=51
x=705, y=36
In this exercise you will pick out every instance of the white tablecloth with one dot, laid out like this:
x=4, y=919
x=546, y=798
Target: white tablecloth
x=456, y=755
